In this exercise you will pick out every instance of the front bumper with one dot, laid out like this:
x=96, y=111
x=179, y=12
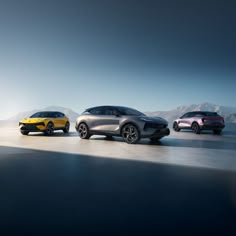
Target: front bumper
x=155, y=130
x=37, y=127
x=161, y=133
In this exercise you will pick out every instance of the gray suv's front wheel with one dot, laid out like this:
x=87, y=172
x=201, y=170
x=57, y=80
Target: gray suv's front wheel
x=83, y=131
x=130, y=134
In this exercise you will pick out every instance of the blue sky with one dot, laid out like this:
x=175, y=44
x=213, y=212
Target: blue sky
x=150, y=55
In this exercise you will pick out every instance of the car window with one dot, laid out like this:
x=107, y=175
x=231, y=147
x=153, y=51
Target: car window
x=129, y=111
x=107, y=111
x=185, y=115
x=211, y=114
x=97, y=111
x=198, y=114
x=48, y=114
x=36, y=115
x=59, y=115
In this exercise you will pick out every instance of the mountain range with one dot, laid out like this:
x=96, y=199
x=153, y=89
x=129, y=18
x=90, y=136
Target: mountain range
x=229, y=113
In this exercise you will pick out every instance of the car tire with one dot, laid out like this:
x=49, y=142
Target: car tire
x=23, y=132
x=130, y=134
x=217, y=131
x=83, y=131
x=176, y=127
x=67, y=128
x=156, y=139
x=108, y=137
x=196, y=128
x=49, y=129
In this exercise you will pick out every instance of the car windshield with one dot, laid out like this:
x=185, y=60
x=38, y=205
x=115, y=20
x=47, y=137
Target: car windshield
x=129, y=111
x=43, y=115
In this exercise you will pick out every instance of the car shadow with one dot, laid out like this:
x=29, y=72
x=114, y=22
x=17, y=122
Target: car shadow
x=230, y=129
x=51, y=193
x=55, y=134
x=208, y=144
x=178, y=142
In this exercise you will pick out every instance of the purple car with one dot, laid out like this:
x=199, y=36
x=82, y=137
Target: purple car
x=200, y=120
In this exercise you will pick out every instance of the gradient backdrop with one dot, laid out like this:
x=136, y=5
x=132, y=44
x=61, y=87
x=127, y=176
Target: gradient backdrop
x=151, y=55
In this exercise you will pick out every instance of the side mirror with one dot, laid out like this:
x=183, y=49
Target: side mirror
x=116, y=113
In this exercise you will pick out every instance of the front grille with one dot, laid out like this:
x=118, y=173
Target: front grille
x=31, y=126
x=154, y=126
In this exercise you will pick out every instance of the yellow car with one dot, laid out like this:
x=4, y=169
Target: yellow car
x=45, y=121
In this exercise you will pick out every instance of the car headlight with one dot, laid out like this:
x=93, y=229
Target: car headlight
x=146, y=119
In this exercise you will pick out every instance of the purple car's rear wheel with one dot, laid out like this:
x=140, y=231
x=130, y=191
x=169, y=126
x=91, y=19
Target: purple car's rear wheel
x=217, y=131
x=195, y=127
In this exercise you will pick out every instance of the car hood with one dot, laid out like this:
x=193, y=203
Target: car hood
x=33, y=120
x=154, y=119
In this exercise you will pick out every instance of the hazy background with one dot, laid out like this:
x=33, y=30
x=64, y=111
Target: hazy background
x=151, y=55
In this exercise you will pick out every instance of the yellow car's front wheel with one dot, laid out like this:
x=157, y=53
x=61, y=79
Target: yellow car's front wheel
x=49, y=129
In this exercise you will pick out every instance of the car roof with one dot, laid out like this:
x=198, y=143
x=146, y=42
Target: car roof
x=202, y=112
x=110, y=106
x=49, y=112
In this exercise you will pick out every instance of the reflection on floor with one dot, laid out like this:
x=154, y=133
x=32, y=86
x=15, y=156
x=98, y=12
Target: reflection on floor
x=53, y=193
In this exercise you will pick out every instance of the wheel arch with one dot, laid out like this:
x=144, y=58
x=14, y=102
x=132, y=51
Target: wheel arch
x=194, y=122
x=80, y=122
x=175, y=122
x=129, y=122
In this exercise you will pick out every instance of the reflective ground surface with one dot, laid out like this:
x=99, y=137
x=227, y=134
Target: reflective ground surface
x=62, y=185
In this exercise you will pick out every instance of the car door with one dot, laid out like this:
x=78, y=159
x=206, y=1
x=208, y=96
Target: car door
x=185, y=120
x=60, y=120
x=104, y=119
x=55, y=119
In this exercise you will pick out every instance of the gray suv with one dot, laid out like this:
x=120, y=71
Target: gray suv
x=120, y=121
x=200, y=120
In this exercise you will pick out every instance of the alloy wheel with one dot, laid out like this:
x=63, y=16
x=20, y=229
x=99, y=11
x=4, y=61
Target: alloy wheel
x=83, y=131
x=49, y=129
x=130, y=134
x=196, y=128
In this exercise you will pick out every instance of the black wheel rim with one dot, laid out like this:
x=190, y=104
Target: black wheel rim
x=130, y=134
x=50, y=129
x=195, y=128
x=67, y=127
x=175, y=127
x=83, y=131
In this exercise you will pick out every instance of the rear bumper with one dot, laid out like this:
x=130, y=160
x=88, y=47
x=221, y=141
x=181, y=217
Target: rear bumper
x=212, y=127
